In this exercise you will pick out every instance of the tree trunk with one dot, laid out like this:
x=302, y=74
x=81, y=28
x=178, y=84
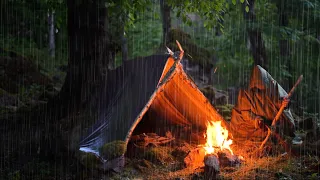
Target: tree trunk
x=124, y=43
x=87, y=56
x=258, y=49
x=51, y=33
x=284, y=43
x=47, y=132
x=166, y=19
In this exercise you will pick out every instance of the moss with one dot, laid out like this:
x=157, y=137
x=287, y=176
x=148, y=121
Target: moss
x=89, y=160
x=159, y=155
x=113, y=149
x=198, y=55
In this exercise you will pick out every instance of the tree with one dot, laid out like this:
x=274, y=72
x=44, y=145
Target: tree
x=51, y=33
x=166, y=19
x=88, y=55
x=257, y=47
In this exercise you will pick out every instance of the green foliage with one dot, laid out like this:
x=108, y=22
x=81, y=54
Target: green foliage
x=225, y=111
x=145, y=36
x=210, y=11
x=24, y=30
x=198, y=54
x=127, y=11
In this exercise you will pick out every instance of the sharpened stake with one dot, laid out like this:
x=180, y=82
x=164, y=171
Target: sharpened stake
x=169, y=51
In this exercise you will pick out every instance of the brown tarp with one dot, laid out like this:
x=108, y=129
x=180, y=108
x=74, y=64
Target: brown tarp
x=262, y=98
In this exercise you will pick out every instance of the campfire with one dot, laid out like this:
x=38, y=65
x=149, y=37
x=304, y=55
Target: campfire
x=217, y=149
x=216, y=152
x=217, y=138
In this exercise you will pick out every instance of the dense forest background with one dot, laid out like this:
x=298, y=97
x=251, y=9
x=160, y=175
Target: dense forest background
x=289, y=35
x=43, y=56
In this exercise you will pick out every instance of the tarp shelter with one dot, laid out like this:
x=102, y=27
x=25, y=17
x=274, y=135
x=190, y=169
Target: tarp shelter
x=262, y=99
x=156, y=85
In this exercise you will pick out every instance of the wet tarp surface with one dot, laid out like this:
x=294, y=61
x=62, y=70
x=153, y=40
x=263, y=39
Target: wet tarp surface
x=262, y=99
x=154, y=83
x=128, y=89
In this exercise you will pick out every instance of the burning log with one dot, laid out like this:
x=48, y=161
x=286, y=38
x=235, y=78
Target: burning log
x=212, y=167
x=195, y=157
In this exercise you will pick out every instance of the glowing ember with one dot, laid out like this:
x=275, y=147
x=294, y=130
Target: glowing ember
x=216, y=137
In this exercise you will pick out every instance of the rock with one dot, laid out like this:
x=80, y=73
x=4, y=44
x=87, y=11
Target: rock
x=212, y=167
x=228, y=160
x=116, y=164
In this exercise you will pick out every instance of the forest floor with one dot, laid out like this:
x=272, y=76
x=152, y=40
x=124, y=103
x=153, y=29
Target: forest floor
x=167, y=166
x=164, y=163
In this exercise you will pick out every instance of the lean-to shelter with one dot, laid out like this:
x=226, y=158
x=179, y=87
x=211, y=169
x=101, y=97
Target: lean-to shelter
x=154, y=91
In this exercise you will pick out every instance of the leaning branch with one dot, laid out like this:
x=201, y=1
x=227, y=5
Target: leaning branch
x=275, y=120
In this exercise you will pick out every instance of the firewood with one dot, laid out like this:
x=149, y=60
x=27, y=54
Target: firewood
x=212, y=167
x=144, y=140
x=195, y=157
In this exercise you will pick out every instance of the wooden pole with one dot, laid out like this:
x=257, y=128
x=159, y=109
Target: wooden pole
x=283, y=106
x=287, y=97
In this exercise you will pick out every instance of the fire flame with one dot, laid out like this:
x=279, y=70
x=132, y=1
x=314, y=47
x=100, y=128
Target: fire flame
x=217, y=137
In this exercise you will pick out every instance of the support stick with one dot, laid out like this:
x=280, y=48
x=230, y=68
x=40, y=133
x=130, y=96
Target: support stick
x=283, y=106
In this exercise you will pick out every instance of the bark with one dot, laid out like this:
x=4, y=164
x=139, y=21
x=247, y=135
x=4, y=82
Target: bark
x=258, y=49
x=284, y=45
x=166, y=19
x=51, y=33
x=124, y=41
x=87, y=56
x=124, y=47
